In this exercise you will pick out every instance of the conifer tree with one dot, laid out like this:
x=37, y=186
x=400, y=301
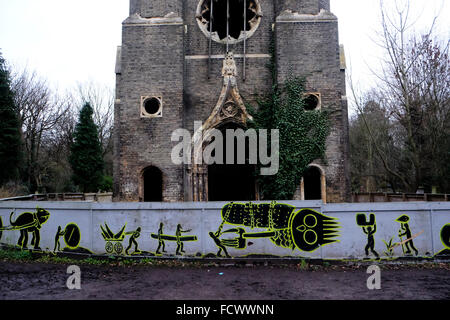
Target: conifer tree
x=10, y=133
x=86, y=153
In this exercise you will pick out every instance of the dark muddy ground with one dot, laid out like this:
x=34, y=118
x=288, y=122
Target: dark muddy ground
x=46, y=281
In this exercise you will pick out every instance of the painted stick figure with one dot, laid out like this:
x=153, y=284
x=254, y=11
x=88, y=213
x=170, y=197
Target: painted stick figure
x=179, y=242
x=369, y=227
x=58, y=235
x=370, y=240
x=219, y=244
x=134, y=235
x=160, y=239
x=406, y=231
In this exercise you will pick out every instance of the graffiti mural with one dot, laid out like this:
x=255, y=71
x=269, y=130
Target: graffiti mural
x=58, y=235
x=28, y=222
x=305, y=230
x=267, y=229
x=178, y=238
x=113, y=240
x=72, y=238
x=161, y=242
x=404, y=231
x=389, y=247
x=369, y=227
x=132, y=241
x=445, y=238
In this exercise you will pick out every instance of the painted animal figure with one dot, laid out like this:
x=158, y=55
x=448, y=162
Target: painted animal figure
x=28, y=222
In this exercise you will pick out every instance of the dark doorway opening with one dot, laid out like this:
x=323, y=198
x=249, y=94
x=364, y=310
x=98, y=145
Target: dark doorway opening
x=313, y=184
x=152, y=177
x=232, y=182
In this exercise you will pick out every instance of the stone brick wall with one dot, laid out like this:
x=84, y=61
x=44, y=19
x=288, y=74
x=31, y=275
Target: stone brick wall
x=152, y=64
x=324, y=4
x=156, y=8
x=303, y=6
x=169, y=57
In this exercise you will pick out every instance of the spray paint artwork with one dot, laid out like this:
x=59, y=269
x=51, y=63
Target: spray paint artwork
x=178, y=238
x=27, y=222
x=274, y=229
x=305, y=230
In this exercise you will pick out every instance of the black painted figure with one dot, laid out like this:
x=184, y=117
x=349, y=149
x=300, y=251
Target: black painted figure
x=445, y=238
x=134, y=235
x=370, y=240
x=58, y=235
x=405, y=231
x=304, y=229
x=179, y=241
x=160, y=239
x=28, y=222
x=215, y=237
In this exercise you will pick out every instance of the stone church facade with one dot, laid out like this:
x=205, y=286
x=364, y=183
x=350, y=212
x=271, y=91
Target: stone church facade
x=170, y=73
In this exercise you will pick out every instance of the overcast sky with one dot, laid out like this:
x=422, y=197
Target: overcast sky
x=74, y=41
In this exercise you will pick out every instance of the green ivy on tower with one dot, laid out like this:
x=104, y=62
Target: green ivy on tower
x=302, y=134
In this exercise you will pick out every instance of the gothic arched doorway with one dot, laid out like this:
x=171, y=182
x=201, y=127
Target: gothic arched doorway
x=232, y=182
x=152, y=185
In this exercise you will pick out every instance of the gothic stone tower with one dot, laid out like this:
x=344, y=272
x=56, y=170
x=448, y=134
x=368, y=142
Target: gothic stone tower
x=170, y=73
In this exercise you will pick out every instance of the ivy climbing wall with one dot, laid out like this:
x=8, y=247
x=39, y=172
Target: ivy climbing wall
x=298, y=229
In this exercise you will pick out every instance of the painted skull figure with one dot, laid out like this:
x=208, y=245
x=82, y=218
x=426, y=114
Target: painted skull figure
x=311, y=229
x=305, y=229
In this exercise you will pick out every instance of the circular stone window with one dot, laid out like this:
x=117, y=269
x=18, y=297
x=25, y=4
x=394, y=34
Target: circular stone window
x=311, y=101
x=151, y=107
x=213, y=23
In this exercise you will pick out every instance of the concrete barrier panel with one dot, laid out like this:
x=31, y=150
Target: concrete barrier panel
x=307, y=229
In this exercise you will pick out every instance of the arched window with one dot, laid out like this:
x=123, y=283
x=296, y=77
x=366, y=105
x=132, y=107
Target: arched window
x=313, y=184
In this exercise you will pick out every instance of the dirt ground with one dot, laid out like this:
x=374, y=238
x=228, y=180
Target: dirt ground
x=46, y=281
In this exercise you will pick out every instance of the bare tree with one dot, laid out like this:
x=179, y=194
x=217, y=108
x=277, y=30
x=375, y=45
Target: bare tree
x=373, y=149
x=414, y=90
x=41, y=111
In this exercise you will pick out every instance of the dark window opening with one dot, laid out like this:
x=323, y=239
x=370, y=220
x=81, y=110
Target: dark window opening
x=311, y=102
x=236, y=19
x=152, y=105
x=312, y=180
x=231, y=182
x=152, y=185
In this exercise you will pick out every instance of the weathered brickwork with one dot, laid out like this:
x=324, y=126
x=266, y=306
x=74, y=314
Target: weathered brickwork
x=164, y=53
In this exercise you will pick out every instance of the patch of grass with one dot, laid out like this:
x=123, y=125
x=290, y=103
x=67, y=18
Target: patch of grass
x=15, y=255
x=57, y=260
x=95, y=262
x=303, y=265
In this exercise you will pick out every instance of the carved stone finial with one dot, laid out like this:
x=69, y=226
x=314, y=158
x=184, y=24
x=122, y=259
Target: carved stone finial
x=229, y=70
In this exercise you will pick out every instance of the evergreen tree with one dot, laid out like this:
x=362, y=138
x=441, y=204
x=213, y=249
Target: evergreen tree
x=86, y=153
x=10, y=134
